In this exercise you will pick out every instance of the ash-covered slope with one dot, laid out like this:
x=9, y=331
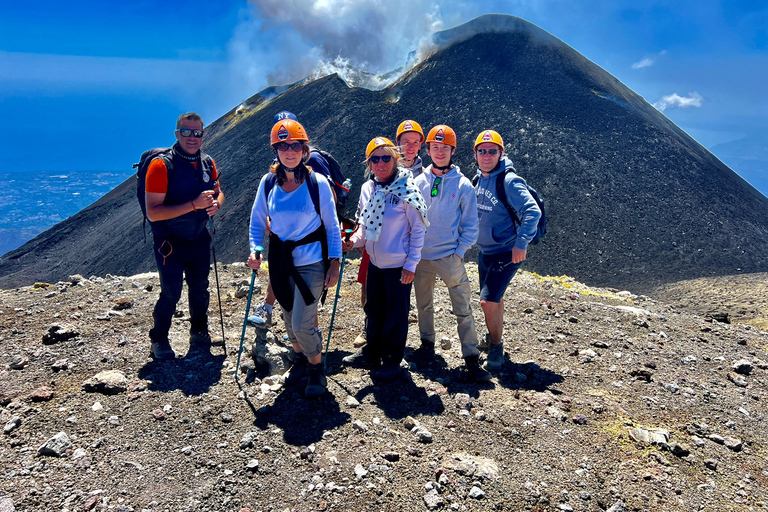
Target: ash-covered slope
x=632, y=199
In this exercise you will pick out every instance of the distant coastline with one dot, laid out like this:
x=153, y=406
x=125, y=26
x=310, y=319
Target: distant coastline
x=37, y=200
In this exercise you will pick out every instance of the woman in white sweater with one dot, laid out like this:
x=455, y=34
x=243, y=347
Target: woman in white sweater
x=392, y=221
x=304, y=246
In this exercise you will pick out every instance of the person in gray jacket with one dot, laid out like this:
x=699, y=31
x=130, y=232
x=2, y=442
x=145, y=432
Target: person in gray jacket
x=503, y=245
x=453, y=229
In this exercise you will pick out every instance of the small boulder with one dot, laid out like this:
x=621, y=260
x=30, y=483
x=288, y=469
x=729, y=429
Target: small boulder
x=56, y=446
x=109, y=382
x=59, y=332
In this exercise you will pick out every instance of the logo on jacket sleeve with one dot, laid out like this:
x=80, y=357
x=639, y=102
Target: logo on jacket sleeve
x=439, y=136
x=282, y=133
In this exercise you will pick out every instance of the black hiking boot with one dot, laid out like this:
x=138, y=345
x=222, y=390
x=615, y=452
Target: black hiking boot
x=316, y=381
x=474, y=372
x=425, y=354
x=161, y=350
x=298, y=371
x=388, y=372
x=199, y=344
x=359, y=359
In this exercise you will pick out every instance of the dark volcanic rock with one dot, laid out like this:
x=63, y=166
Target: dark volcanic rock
x=632, y=199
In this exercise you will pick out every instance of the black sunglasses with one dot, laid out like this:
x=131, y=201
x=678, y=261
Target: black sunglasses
x=294, y=146
x=187, y=132
x=385, y=159
x=433, y=193
x=492, y=151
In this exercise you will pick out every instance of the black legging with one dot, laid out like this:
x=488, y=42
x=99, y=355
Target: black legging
x=386, y=307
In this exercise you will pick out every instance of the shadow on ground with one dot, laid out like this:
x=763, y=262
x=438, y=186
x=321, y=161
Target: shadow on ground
x=193, y=375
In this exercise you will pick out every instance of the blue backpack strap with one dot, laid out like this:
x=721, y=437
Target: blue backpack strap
x=314, y=191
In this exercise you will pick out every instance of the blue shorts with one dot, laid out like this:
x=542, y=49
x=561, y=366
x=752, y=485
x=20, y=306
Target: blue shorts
x=496, y=271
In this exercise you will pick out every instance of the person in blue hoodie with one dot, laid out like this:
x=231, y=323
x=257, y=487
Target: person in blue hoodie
x=453, y=229
x=503, y=245
x=391, y=226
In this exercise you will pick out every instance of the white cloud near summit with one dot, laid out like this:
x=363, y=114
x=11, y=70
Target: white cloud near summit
x=648, y=60
x=674, y=100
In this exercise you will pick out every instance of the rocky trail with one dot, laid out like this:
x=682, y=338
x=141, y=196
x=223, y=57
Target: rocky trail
x=607, y=401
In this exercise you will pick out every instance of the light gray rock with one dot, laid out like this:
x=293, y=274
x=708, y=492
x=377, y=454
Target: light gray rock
x=248, y=440
x=12, y=425
x=56, y=446
x=433, y=500
x=267, y=351
x=463, y=401
x=6, y=504
x=18, y=362
x=733, y=443
x=476, y=493
x=471, y=466
x=360, y=472
x=410, y=423
x=619, y=506
x=642, y=435
x=556, y=413
x=737, y=379
x=422, y=434
x=360, y=426
x=352, y=402
x=252, y=466
x=109, y=382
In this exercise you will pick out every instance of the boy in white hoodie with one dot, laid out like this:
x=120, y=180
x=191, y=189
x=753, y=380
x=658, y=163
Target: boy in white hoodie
x=453, y=228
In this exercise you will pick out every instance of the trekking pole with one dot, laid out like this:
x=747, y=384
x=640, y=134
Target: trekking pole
x=218, y=288
x=347, y=233
x=247, y=309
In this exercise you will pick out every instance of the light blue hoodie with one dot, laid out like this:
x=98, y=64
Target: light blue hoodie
x=498, y=233
x=452, y=214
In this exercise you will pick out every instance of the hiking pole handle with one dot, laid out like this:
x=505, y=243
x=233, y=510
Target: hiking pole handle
x=245, y=322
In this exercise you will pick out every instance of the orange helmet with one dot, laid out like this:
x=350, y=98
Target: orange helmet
x=287, y=130
x=409, y=126
x=443, y=134
x=489, y=136
x=375, y=144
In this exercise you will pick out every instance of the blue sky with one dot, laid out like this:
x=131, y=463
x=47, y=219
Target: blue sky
x=91, y=84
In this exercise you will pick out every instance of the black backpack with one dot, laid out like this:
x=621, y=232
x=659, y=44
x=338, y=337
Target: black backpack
x=336, y=177
x=541, y=228
x=141, y=177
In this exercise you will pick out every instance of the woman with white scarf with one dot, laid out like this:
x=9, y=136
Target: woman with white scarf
x=392, y=221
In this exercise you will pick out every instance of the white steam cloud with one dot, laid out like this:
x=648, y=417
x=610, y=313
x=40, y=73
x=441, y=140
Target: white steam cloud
x=674, y=100
x=314, y=38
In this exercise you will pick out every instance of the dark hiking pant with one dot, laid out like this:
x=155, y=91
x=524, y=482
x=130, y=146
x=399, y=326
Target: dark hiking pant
x=386, y=307
x=176, y=259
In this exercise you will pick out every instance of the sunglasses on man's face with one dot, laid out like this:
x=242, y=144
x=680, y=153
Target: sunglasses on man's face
x=492, y=151
x=385, y=159
x=294, y=146
x=433, y=193
x=187, y=132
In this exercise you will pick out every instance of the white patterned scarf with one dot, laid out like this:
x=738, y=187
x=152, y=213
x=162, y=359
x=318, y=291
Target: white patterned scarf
x=402, y=187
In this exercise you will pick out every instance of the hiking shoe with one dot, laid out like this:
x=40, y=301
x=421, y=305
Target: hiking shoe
x=361, y=339
x=388, y=372
x=424, y=354
x=474, y=371
x=199, y=344
x=261, y=317
x=485, y=343
x=357, y=360
x=162, y=350
x=316, y=381
x=298, y=371
x=495, y=357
